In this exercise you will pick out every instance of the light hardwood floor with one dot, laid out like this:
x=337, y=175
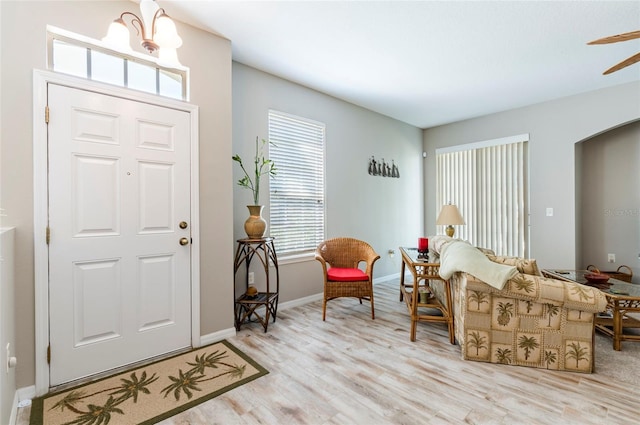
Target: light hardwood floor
x=354, y=370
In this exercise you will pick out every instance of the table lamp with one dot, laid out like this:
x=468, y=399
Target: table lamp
x=449, y=215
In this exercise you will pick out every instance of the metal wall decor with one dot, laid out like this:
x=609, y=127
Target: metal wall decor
x=382, y=168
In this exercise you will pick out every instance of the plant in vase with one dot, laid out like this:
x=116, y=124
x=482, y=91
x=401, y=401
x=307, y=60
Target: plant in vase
x=256, y=226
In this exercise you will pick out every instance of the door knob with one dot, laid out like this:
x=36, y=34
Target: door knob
x=183, y=224
x=184, y=241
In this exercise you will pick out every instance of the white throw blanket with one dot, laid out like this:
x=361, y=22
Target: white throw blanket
x=460, y=256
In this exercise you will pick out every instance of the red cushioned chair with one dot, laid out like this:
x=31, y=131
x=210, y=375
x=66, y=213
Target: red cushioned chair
x=340, y=259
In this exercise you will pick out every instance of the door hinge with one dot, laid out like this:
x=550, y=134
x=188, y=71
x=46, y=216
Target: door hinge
x=46, y=114
x=48, y=235
x=49, y=354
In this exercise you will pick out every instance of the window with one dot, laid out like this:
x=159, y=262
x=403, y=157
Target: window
x=488, y=182
x=296, y=194
x=74, y=54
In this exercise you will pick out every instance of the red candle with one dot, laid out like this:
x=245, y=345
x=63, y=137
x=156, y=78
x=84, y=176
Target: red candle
x=423, y=244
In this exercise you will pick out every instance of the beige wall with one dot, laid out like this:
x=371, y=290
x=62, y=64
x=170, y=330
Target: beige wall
x=209, y=58
x=554, y=128
x=386, y=212
x=609, y=199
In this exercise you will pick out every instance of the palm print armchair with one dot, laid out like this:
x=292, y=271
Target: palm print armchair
x=533, y=321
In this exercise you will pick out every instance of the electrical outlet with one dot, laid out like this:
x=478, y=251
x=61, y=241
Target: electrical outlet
x=611, y=258
x=251, y=277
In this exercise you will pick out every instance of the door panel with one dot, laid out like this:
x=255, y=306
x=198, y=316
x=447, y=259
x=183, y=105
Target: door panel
x=153, y=135
x=157, y=286
x=94, y=126
x=119, y=184
x=96, y=200
x=96, y=292
x=156, y=208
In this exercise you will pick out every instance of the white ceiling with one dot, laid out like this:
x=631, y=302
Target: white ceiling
x=427, y=63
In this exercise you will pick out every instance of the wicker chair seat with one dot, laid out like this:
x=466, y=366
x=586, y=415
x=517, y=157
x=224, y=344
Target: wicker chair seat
x=340, y=274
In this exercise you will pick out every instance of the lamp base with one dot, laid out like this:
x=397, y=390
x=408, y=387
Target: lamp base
x=450, y=231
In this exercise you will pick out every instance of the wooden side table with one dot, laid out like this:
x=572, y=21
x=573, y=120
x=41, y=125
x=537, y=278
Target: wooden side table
x=622, y=298
x=245, y=306
x=423, y=272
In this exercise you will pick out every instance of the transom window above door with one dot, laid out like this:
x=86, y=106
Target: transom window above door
x=74, y=54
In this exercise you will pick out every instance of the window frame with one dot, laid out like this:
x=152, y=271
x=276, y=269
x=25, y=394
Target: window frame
x=54, y=33
x=306, y=253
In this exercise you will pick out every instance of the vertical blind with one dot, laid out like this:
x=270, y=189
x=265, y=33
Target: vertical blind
x=489, y=186
x=297, y=192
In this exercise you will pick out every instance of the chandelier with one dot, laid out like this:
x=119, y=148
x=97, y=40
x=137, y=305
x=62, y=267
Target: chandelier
x=157, y=30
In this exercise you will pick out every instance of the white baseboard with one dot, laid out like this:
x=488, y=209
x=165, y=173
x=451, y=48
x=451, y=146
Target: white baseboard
x=230, y=332
x=299, y=301
x=311, y=298
x=21, y=398
x=14, y=410
x=217, y=336
x=386, y=278
x=26, y=393
x=227, y=333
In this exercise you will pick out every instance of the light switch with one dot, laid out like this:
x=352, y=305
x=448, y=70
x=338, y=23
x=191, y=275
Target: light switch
x=549, y=212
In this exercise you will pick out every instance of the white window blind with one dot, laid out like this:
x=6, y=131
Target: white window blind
x=490, y=187
x=296, y=201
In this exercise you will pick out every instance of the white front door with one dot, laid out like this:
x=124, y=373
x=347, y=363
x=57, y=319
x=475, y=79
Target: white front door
x=119, y=205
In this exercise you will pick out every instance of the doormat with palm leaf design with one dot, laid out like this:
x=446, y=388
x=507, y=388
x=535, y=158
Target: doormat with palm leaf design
x=150, y=393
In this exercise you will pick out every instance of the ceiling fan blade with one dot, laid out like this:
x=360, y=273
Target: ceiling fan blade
x=615, y=38
x=630, y=61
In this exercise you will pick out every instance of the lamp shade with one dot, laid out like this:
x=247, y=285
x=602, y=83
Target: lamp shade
x=166, y=35
x=449, y=214
x=118, y=36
